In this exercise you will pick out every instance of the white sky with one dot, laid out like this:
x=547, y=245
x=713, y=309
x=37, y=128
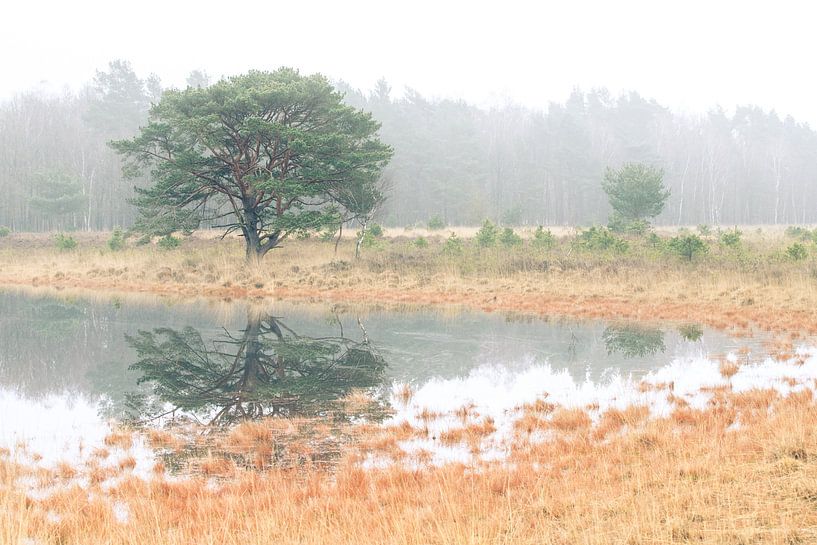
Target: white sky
x=687, y=54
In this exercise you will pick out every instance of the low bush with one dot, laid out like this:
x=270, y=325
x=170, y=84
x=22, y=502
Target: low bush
x=453, y=245
x=796, y=252
x=543, y=239
x=436, y=223
x=509, y=239
x=688, y=246
x=64, y=242
x=117, y=240
x=487, y=235
x=169, y=242
x=599, y=238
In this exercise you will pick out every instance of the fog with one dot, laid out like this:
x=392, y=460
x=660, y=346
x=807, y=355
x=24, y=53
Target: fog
x=514, y=111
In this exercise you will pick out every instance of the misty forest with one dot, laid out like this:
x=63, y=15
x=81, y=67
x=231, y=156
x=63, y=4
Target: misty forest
x=463, y=164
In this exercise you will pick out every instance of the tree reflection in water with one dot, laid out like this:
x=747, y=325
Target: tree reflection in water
x=268, y=369
x=633, y=341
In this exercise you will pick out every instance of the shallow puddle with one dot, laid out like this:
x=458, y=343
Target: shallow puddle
x=74, y=369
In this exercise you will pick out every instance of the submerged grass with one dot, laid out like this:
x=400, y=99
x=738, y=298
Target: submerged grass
x=690, y=477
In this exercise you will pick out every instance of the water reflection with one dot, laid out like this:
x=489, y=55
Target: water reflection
x=633, y=341
x=263, y=370
x=691, y=332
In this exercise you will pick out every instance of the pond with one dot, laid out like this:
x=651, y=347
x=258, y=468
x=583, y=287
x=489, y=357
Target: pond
x=70, y=367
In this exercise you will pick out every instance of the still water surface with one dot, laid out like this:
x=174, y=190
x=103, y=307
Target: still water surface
x=69, y=365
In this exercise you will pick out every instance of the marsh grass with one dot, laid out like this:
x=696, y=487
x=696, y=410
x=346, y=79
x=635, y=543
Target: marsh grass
x=689, y=477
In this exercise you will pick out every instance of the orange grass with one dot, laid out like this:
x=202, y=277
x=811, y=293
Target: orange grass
x=683, y=479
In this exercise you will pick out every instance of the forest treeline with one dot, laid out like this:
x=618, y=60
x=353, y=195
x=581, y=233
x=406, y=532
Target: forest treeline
x=461, y=163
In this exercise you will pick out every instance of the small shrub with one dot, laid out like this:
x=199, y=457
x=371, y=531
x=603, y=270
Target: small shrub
x=704, y=230
x=691, y=332
x=369, y=240
x=421, y=242
x=731, y=239
x=599, y=238
x=487, y=234
x=376, y=230
x=4, y=231
x=654, y=240
x=796, y=252
x=169, y=242
x=543, y=239
x=795, y=231
x=436, y=223
x=453, y=245
x=688, y=246
x=64, y=242
x=117, y=240
x=510, y=239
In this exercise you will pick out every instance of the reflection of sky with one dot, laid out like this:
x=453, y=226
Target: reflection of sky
x=50, y=345
x=63, y=361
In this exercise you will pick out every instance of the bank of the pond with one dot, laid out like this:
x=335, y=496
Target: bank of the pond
x=732, y=291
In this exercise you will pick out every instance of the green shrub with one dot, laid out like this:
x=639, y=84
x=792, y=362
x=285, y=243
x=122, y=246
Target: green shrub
x=64, y=242
x=543, y=239
x=453, y=245
x=704, y=230
x=795, y=231
x=487, y=234
x=117, y=240
x=599, y=238
x=691, y=332
x=376, y=230
x=654, y=240
x=169, y=242
x=510, y=239
x=421, y=242
x=731, y=239
x=688, y=246
x=369, y=240
x=436, y=223
x=4, y=231
x=796, y=252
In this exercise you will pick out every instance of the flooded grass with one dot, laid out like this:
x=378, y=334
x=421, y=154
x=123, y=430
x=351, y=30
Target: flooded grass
x=690, y=476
